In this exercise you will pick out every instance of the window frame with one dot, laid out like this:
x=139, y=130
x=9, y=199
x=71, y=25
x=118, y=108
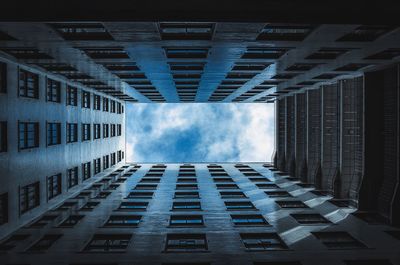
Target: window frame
x=51, y=131
x=54, y=186
x=35, y=83
x=53, y=90
x=26, y=136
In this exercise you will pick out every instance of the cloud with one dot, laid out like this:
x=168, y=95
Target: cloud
x=199, y=132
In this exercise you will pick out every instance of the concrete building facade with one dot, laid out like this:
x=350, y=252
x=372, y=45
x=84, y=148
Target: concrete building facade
x=245, y=213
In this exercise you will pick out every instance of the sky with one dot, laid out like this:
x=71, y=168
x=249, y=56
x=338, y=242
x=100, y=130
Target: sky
x=199, y=132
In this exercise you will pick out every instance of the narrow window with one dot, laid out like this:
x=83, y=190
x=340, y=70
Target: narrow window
x=72, y=96
x=53, y=91
x=28, y=135
x=3, y=208
x=3, y=136
x=54, y=186
x=86, y=171
x=72, y=177
x=106, y=130
x=28, y=84
x=3, y=77
x=85, y=131
x=85, y=99
x=97, y=165
x=96, y=103
x=29, y=197
x=53, y=133
x=72, y=132
x=96, y=131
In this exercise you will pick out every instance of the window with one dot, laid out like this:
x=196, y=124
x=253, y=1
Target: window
x=239, y=205
x=89, y=206
x=28, y=84
x=106, y=130
x=186, y=242
x=338, y=240
x=72, y=96
x=291, y=204
x=86, y=171
x=72, y=132
x=29, y=197
x=113, y=159
x=71, y=221
x=28, y=136
x=112, y=103
x=119, y=129
x=96, y=102
x=96, y=131
x=119, y=108
x=278, y=193
x=105, y=104
x=232, y=194
x=267, y=186
x=140, y=195
x=223, y=180
x=248, y=219
x=85, y=99
x=12, y=241
x=85, y=131
x=123, y=221
x=186, y=220
x=3, y=208
x=3, y=136
x=106, y=162
x=97, y=165
x=182, y=206
x=53, y=133
x=43, y=221
x=119, y=156
x=227, y=186
x=45, y=242
x=262, y=241
x=186, y=180
x=186, y=186
x=146, y=187
x=133, y=206
x=112, y=130
x=309, y=218
x=53, y=91
x=53, y=186
x=108, y=243
x=82, y=31
x=3, y=77
x=72, y=177
x=103, y=194
x=186, y=195
x=186, y=31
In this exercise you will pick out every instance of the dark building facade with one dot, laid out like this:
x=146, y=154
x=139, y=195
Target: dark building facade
x=334, y=148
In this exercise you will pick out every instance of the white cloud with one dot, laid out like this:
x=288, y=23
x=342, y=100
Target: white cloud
x=227, y=132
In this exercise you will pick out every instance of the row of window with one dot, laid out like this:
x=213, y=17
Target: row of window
x=29, y=195
x=28, y=86
x=28, y=133
x=183, y=242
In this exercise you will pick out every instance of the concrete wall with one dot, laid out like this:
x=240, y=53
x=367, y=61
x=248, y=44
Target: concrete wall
x=21, y=167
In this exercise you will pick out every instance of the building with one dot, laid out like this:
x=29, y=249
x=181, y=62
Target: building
x=68, y=195
x=201, y=214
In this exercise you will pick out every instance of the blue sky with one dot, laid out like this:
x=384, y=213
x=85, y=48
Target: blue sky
x=200, y=132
